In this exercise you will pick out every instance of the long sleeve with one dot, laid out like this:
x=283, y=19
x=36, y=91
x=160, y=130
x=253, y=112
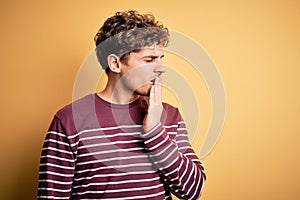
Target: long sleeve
x=56, y=164
x=175, y=160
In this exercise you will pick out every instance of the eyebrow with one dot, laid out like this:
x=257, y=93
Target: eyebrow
x=152, y=56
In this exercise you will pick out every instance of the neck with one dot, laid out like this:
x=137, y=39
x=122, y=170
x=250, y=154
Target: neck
x=115, y=92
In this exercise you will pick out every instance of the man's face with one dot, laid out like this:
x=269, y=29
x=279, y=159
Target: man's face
x=141, y=69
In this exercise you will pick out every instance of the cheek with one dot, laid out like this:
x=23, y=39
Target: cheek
x=139, y=76
x=137, y=81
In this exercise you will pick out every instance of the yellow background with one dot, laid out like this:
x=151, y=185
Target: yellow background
x=255, y=45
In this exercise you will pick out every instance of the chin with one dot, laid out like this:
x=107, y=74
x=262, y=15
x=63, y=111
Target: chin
x=143, y=91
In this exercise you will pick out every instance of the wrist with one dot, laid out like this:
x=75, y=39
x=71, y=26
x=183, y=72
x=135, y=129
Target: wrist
x=148, y=129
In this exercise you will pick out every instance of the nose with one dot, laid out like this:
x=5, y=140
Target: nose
x=159, y=69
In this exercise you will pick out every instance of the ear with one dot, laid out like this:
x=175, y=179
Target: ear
x=113, y=62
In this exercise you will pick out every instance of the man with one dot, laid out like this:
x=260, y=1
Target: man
x=123, y=142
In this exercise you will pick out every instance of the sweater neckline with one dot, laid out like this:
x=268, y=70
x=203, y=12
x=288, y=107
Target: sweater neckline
x=114, y=105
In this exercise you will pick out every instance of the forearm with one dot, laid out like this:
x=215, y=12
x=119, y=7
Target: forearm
x=183, y=174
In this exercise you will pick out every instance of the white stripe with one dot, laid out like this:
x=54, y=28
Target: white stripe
x=185, y=136
x=54, y=189
x=59, y=158
x=110, y=136
x=118, y=182
x=116, y=174
x=119, y=190
x=171, y=126
x=104, y=129
x=203, y=181
x=52, y=197
x=182, y=141
x=109, y=143
x=183, y=174
x=57, y=133
x=181, y=129
x=166, y=158
x=175, y=170
x=172, y=163
x=115, y=167
x=195, y=175
x=181, y=122
x=58, y=166
x=55, y=149
x=159, y=144
x=111, y=151
x=155, y=137
x=135, y=197
x=176, y=178
x=57, y=174
x=152, y=130
x=56, y=141
x=112, y=159
x=75, y=143
x=183, y=148
x=57, y=182
x=161, y=152
x=190, y=154
x=190, y=174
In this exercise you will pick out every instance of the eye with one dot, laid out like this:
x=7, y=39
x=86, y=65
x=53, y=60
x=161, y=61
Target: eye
x=148, y=60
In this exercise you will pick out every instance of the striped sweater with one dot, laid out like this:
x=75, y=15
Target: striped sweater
x=98, y=150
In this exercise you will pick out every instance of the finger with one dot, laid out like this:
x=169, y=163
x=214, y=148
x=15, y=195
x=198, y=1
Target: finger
x=151, y=96
x=154, y=96
x=157, y=91
x=159, y=88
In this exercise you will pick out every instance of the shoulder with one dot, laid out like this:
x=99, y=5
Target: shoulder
x=171, y=114
x=79, y=114
x=81, y=105
x=170, y=108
